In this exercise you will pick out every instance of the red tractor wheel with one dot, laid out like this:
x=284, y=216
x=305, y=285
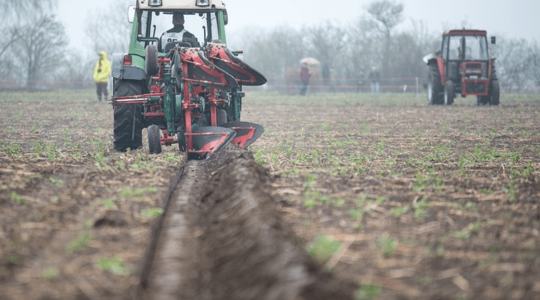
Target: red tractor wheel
x=449, y=93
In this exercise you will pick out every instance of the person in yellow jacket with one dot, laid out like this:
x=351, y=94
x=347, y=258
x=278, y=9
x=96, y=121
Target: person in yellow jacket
x=102, y=71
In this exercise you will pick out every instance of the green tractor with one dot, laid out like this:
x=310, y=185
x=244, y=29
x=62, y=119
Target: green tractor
x=185, y=88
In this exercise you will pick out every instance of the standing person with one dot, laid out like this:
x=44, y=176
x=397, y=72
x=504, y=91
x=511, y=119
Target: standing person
x=304, y=79
x=359, y=81
x=102, y=71
x=374, y=77
x=327, y=78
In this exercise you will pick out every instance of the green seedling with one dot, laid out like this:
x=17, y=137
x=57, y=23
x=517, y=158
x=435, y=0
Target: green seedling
x=398, y=211
x=109, y=203
x=137, y=194
x=387, y=245
x=114, y=265
x=16, y=198
x=152, y=212
x=55, y=181
x=466, y=234
x=12, y=259
x=420, y=208
x=50, y=273
x=323, y=247
x=367, y=291
x=511, y=190
x=80, y=243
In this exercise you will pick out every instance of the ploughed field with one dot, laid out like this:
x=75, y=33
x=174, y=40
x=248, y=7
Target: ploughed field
x=406, y=200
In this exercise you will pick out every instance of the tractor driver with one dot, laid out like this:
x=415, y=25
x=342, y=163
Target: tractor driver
x=178, y=34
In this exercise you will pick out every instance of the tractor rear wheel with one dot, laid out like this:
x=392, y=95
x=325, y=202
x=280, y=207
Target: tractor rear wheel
x=154, y=139
x=221, y=116
x=449, y=93
x=128, y=118
x=494, y=93
x=434, y=87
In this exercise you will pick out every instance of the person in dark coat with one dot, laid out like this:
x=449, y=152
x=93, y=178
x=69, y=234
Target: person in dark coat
x=304, y=79
x=374, y=77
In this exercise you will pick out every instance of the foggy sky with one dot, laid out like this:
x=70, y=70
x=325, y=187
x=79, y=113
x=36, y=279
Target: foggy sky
x=514, y=19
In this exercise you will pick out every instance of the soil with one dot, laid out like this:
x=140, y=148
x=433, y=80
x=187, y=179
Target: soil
x=426, y=202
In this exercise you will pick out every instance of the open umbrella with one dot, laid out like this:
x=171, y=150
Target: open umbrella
x=310, y=61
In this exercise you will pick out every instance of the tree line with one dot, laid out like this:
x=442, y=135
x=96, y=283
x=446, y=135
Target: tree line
x=34, y=48
x=374, y=40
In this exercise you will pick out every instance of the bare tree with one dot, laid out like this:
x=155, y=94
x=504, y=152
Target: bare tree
x=386, y=15
x=41, y=46
x=108, y=28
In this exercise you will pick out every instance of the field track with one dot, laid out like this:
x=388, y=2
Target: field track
x=222, y=238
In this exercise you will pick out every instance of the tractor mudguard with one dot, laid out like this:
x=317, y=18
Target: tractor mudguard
x=202, y=72
x=246, y=132
x=225, y=60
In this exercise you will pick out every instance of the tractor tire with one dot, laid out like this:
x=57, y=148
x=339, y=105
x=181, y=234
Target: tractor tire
x=182, y=143
x=449, y=93
x=154, y=139
x=221, y=116
x=128, y=118
x=494, y=93
x=481, y=100
x=151, y=61
x=434, y=86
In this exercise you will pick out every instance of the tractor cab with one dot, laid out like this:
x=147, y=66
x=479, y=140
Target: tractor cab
x=155, y=24
x=466, y=56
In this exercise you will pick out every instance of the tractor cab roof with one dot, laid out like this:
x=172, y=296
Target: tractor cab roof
x=465, y=32
x=194, y=5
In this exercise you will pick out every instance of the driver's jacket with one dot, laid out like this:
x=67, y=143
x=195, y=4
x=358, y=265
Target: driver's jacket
x=177, y=34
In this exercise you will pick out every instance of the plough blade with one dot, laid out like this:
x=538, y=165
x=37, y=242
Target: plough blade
x=210, y=139
x=223, y=58
x=202, y=72
x=246, y=132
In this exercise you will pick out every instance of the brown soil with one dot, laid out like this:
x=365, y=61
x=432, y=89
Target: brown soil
x=427, y=202
x=234, y=244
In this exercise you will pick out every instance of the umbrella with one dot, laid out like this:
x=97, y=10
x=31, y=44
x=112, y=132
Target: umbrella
x=310, y=61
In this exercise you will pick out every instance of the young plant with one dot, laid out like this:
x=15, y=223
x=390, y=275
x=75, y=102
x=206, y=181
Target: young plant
x=323, y=247
x=420, y=208
x=50, y=273
x=152, y=212
x=80, y=243
x=367, y=291
x=115, y=265
x=387, y=245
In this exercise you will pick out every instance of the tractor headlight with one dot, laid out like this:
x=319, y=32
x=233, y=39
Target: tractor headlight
x=155, y=2
x=202, y=3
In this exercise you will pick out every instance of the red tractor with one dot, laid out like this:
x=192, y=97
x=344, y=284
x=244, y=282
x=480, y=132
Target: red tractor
x=462, y=66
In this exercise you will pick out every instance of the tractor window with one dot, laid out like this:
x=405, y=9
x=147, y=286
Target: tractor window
x=455, y=48
x=160, y=22
x=444, y=52
x=213, y=33
x=476, y=48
